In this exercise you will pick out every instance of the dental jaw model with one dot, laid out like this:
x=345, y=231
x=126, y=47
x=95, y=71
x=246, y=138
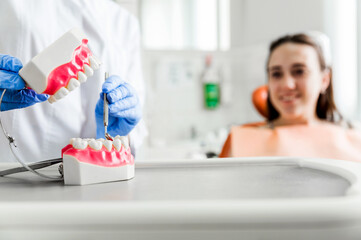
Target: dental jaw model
x=61, y=67
x=88, y=161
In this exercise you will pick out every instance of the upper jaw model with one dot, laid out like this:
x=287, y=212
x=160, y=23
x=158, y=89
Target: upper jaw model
x=61, y=67
x=88, y=161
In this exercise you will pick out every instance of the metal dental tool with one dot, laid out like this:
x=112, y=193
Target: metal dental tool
x=106, y=114
x=33, y=166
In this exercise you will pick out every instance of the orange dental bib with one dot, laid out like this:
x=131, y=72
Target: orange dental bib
x=324, y=141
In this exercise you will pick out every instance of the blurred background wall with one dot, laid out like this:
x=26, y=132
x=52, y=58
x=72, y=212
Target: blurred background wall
x=178, y=35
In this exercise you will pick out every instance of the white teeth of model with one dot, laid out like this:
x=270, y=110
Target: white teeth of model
x=88, y=70
x=117, y=144
x=125, y=141
x=101, y=140
x=79, y=143
x=73, y=84
x=51, y=99
x=94, y=63
x=108, y=145
x=96, y=145
x=62, y=92
x=81, y=77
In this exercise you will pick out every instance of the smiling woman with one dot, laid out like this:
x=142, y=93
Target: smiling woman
x=299, y=81
x=302, y=117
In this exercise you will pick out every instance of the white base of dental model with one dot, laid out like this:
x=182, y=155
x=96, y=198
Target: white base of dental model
x=57, y=62
x=89, y=161
x=80, y=173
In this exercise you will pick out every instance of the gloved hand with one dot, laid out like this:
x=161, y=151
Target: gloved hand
x=124, y=107
x=15, y=96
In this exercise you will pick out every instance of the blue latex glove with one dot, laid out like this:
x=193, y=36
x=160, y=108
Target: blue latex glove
x=15, y=96
x=124, y=107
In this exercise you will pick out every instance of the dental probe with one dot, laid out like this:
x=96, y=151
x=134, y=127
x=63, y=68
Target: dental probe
x=106, y=113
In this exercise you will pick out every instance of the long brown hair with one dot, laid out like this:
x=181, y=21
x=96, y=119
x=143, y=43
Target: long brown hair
x=326, y=107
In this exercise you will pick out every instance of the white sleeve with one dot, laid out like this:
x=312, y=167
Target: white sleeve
x=135, y=78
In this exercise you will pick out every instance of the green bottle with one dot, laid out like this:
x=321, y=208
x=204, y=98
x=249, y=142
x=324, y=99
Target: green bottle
x=211, y=95
x=211, y=89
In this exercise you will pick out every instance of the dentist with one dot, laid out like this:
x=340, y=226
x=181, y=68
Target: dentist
x=42, y=129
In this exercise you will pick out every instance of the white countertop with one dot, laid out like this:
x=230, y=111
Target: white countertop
x=199, y=199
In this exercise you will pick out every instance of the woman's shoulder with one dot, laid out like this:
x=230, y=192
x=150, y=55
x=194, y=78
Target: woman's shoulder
x=351, y=124
x=253, y=125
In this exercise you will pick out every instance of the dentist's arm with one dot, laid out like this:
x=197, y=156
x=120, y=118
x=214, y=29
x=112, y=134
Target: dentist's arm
x=15, y=96
x=124, y=107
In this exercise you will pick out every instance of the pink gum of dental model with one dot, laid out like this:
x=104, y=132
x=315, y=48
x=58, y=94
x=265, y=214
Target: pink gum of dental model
x=102, y=157
x=61, y=75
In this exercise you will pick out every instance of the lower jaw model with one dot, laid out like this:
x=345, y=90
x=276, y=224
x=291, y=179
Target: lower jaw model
x=89, y=161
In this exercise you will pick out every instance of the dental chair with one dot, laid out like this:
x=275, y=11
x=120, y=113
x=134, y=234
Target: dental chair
x=259, y=100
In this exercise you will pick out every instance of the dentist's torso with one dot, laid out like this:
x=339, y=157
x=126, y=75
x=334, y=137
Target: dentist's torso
x=27, y=27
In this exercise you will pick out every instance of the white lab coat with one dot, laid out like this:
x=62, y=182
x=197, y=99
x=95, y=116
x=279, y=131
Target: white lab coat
x=29, y=26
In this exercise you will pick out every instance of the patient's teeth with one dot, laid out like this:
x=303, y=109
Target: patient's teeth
x=62, y=92
x=79, y=143
x=96, y=145
x=117, y=144
x=82, y=77
x=88, y=70
x=73, y=83
x=94, y=63
x=108, y=144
